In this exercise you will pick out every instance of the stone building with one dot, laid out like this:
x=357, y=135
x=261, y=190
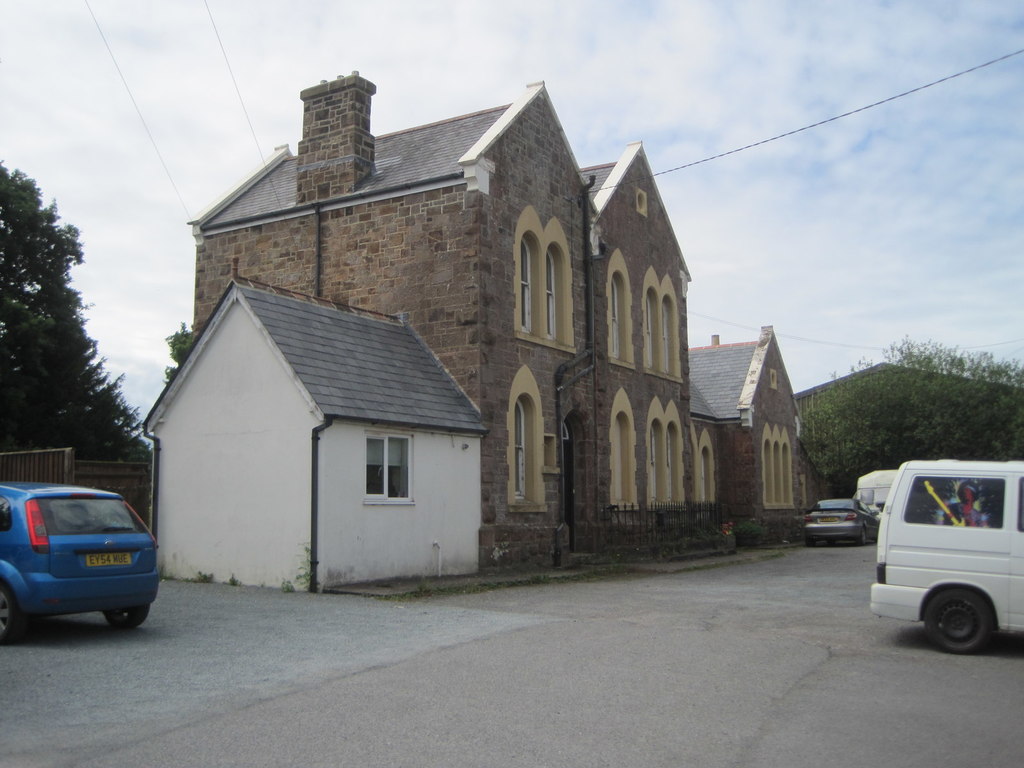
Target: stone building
x=554, y=295
x=745, y=435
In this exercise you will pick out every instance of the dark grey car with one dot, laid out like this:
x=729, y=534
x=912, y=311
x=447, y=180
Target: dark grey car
x=835, y=520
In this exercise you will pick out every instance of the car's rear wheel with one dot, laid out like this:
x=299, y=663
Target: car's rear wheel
x=863, y=538
x=12, y=621
x=127, y=618
x=809, y=541
x=959, y=621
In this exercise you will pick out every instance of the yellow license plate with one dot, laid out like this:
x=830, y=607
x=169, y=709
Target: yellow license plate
x=109, y=558
x=828, y=519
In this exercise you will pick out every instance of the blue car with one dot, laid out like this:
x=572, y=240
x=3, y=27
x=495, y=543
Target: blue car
x=65, y=549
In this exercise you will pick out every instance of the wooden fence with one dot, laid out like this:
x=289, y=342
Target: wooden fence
x=131, y=479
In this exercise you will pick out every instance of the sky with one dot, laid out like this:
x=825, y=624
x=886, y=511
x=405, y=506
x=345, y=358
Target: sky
x=905, y=220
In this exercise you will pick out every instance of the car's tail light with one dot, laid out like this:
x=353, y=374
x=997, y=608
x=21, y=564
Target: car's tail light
x=142, y=525
x=37, y=535
x=808, y=519
x=851, y=516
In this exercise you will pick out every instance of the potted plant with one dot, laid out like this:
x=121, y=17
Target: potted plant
x=748, y=533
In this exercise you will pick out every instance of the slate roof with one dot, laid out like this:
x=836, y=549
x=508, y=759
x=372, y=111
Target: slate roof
x=409, y=157
x=717, y=376
x=600, y=174
x=361, y=367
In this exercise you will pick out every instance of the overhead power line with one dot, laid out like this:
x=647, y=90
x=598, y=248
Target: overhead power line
x=840, y=117
x=138, y=111
x=234, y=82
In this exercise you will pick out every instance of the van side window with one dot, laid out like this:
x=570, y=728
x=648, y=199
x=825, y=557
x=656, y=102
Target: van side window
x=967, y=502
x=1020, y=503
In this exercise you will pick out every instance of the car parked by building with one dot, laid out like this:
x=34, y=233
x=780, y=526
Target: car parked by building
x=833, y=520
x=66, y=549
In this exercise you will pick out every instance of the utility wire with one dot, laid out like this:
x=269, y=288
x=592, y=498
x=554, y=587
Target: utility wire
x=137, y=110
x=234, y=82
x=840, y=117
x=691, y=313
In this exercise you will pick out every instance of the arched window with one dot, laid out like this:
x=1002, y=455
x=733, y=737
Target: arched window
x=520, y=442
x=525, y=440
x=666, y=334
x=525, y=286
x=704, y=464
x=622, y=439
x=550, y=294
x=674, y=462
x=661, y=331
x=776, y=467
x=620, y=324
x=768, y=471
x=656, y=463
x=650, y=326
x=614, y=329
x=544, y=276
x=707, y=474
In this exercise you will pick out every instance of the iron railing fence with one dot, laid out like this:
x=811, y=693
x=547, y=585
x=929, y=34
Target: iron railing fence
x=652, y=524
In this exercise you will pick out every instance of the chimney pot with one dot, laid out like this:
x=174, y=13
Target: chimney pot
x=716, y=340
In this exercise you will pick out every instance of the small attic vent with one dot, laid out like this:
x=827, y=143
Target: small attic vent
x=641, y=202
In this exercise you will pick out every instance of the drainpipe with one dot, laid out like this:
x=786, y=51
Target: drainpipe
x=314, y=501
x=587, y=354
x=154, y=503
x=317, y=287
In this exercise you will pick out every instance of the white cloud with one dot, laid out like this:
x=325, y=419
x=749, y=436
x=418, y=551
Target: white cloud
x=901, y=220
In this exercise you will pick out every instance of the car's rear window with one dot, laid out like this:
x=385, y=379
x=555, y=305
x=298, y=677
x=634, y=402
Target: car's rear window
x=835, y=504
x=71, y=516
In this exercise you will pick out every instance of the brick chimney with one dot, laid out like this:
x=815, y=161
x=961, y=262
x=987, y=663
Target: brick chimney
x=337, y=149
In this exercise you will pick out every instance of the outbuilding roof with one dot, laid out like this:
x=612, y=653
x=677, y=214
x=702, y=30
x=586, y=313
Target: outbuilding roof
x=353, y=365
x=362, y=367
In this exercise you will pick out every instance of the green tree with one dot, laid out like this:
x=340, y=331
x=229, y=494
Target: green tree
x=179, y=343
x=54, y=391
x=927, y=402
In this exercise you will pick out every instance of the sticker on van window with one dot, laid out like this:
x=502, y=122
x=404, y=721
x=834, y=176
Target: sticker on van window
x=963, y=502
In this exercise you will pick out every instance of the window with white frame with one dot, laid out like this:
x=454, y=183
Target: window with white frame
x=614, y=332
x=525, y=286
x=550, y=295
x=650, y=312
x=666, y=335
x=387, y=467
x=520, y=450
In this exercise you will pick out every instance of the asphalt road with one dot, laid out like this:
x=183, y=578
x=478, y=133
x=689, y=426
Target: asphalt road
x=773, y=663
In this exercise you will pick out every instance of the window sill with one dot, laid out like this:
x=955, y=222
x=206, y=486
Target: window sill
x=526, y=507
x=544, y=342
x=663, y=375
x=372, y=502
x=622, y=363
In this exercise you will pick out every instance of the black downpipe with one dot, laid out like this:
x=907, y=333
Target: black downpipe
x=314, y=502
x=586, y=354
x=154, y=502
x=317, y=278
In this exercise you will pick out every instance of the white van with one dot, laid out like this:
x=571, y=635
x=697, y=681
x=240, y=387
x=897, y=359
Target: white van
x=951, y=551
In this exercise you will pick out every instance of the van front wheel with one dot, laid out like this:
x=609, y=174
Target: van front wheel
x=958, y=621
